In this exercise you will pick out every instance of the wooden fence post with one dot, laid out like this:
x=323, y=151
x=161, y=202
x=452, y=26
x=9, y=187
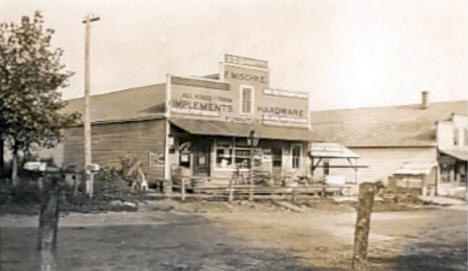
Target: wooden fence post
x=324, y=191
x=361, y=233
x=182, y=188
x=167, y=188
x=251, y=186
x=231, y=190
x=294, y=195
x=48, y=223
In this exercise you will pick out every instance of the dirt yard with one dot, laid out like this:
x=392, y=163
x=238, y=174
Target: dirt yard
x=169, y=235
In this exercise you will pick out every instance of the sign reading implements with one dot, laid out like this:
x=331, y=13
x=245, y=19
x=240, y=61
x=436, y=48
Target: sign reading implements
x=201, y=104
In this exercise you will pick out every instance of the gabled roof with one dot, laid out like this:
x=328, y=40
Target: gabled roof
x=390, y=126
x=130, y=104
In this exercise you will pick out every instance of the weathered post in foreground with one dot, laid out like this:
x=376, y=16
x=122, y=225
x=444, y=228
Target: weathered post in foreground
x=49, y=213
x=48, y=223
x=361, y=234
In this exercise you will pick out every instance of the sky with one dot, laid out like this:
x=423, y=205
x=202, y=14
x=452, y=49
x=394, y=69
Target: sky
x=345, y=53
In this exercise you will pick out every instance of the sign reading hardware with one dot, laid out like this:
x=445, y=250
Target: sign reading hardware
x=280, y=114
x=201, y=104
x=279, y=111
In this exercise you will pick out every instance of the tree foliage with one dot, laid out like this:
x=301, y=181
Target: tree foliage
x=31, y=75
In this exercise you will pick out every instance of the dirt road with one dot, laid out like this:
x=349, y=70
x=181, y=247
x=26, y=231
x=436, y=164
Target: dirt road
x=410, y=240
x=190, y=237
x=139, y=241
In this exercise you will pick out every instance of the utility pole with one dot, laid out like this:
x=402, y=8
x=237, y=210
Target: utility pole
x=89, y=178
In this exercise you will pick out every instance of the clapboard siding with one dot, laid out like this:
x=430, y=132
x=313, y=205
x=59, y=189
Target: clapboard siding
x=113, y=142
x=383, y=161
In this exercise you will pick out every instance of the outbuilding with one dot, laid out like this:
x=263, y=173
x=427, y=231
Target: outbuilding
x=422, y=146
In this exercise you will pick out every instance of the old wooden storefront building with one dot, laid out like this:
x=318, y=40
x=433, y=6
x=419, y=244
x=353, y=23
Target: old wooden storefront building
x=200, y=125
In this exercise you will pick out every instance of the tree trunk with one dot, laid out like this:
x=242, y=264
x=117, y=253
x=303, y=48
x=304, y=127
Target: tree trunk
x=361, y=234
x=48, y=224
x=2, y=153
x=14, y=166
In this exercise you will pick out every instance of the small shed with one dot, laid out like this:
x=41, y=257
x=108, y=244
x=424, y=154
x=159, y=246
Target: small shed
x=330, y=155
x=417, y=177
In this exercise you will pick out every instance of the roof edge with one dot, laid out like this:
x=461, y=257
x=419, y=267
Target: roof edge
x=99, y=122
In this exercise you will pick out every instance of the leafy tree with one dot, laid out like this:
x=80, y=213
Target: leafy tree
x=30, y=76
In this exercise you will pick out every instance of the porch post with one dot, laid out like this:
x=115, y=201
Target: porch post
x=167, y=166
x=167, y=114
x=251, y=183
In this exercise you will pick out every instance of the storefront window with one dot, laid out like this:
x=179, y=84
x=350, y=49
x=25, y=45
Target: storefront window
x=243, y=158
x=232, y=152
x=296, y=156
x=246, y=99
x=277, y=157
x=224, y=153
x=184, y=157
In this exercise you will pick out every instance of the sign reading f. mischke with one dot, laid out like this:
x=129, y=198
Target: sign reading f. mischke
x=245, y=77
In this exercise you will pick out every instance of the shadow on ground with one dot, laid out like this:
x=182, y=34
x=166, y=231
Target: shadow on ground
x=185, y=243
x=430, y=240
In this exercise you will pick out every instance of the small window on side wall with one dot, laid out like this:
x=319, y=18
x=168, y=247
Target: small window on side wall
x=296, y=155
x=455, y=136
x=246, y=99
x=466, y=136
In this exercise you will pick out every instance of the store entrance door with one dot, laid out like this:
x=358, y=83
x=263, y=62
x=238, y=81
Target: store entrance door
x=201, y=156
x=277, y=157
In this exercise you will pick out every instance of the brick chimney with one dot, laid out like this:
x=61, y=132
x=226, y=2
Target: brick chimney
x=424, y=99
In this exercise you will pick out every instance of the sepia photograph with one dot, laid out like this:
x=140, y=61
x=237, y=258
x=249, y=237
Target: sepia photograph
x=233, y=135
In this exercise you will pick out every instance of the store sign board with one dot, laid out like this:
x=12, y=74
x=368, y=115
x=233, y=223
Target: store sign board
x=156, y=159
x=246, y=76
x=267, y=117
x=283, y=114
x=282, y=111
x=245, y=61
x=285, y=93
x=200, y=102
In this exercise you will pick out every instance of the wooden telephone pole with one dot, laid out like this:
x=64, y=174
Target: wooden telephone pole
x=89, y=178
